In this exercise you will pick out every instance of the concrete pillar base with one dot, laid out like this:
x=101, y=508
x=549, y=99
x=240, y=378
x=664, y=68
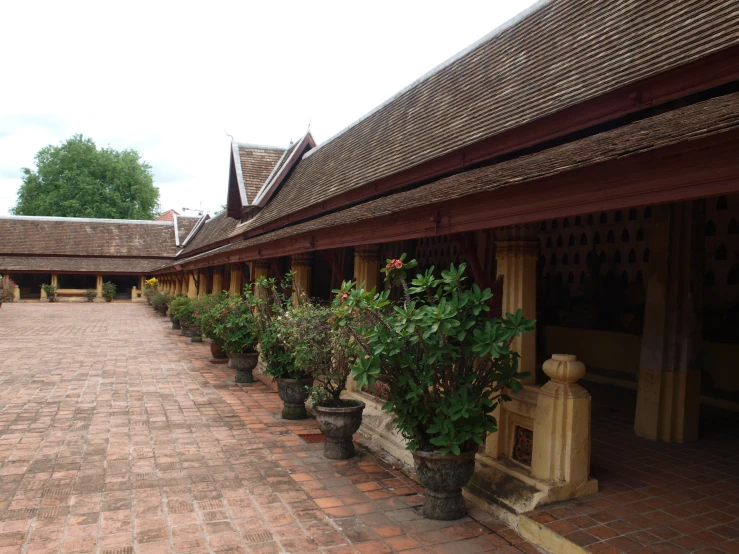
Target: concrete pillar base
x=668, y=405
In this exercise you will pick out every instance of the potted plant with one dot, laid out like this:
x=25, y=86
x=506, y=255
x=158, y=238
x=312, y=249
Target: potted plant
x=50, y=291
x=208, y=319
x=273, y=313
x=197, y=306
x=7, y=290
x=150, y=289
x=327, y=350
x=181, y=310
x=236, y=328
x=109, y=290
x=160, y=301
x=90, y=294
x=447, y=363
x=173, y=317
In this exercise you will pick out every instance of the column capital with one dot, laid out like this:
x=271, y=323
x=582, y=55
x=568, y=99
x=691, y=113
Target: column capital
x=370, y=252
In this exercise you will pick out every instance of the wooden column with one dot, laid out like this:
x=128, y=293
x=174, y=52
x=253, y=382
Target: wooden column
x=192, y=289
x=236, y=281
x=261, y=269
x=367, y=266
x=217, y=279
x=668, y=398
x=517, y=249
x=54, y=280
x=204, y=283
x=302, y=266
x=99, y=286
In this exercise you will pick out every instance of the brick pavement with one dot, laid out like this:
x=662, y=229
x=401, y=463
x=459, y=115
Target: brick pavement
x=117, y=436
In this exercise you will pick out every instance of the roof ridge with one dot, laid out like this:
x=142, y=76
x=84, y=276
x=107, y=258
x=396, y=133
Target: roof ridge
x=84, y=219
x=260, y=146
x=433, y=71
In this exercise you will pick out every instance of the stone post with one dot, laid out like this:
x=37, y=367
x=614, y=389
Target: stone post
x=16, y=293
x=43, y=296
x=367, y=266
x=237, y=278
x=561, y=444
x=217, y=280
x=99, y=286
x=192, y=289
x=668, y=398
x=302, y=266
x=134, y=294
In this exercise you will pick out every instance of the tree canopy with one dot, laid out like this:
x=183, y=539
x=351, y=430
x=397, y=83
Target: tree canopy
x=76, y=179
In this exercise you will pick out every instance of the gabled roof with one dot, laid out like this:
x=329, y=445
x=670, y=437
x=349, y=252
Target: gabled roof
x=555, y=56
x=69, y=236
x=287, y=162
x=250, y=167
x=217, y=228
x=167, y=216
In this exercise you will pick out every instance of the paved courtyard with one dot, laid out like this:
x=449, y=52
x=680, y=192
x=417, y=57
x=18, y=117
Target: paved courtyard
x=118, y=436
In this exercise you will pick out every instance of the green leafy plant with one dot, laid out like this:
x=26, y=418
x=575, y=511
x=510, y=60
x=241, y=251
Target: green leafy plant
x=272, y=315
x=446, y=362
x=230, y=321
x=90, y=294
x=160, y=300
x=50, y=291
x=7, y=289
x=181, y=309
x=109, y=290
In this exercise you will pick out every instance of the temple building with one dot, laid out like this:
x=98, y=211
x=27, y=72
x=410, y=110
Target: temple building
x=582, y=160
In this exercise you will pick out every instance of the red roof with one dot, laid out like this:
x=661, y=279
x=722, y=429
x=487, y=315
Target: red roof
x=167, y=216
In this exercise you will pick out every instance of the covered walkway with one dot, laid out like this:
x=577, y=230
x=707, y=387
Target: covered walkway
x=117, y=436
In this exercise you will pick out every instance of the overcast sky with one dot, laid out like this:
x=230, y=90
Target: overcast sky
x=170, y=81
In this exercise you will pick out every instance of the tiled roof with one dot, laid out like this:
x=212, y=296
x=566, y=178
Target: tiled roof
x=89, y=237
x=692, y=122
x=77, y=265
x=167, y=216
x=217, y=228
x=185, y=225
x=257, y=163
x=561, y=54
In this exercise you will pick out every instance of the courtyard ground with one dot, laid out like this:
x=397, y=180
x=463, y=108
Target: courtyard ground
x=118, y=436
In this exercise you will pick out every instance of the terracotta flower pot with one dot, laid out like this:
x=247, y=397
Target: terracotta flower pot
x=294, y=393
x=217, y=351
x=195, y=334
x=443, y=478
x=244, y=364
x=339, y=425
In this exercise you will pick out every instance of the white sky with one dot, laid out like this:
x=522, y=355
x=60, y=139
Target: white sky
x=171, y=79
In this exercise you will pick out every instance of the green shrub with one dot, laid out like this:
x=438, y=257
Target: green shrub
x=109, y=290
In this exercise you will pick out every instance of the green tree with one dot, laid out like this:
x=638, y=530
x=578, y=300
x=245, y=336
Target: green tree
x=76, y=179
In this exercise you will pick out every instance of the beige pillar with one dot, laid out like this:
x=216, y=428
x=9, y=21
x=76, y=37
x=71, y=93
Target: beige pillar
x=54, y=280
x=668, y=399
x=134, y=294
x=237, y=278
x=43, y=296
x=367, y=266
x=261, y=269
x=192, y=290
x=302, y=266
x=99, y=286
x=517, y=249
x=16, y=293
x=217, y=280
x=561, y=441
x=179, y=285
x=141, y=282
x=204, y=283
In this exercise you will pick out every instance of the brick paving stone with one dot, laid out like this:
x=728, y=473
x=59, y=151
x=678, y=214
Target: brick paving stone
x=118, y=437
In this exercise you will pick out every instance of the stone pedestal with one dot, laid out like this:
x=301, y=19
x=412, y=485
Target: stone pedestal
x=667, y=406
x=561, y=449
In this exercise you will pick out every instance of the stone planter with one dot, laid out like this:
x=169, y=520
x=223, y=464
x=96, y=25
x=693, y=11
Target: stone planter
x=217, y=351
x=339, y=425
x=244, y=364
x=195, y=334
x=443, y=478
x=293, y=394
x=108, y=299
x=175, y=323
x=185, y=329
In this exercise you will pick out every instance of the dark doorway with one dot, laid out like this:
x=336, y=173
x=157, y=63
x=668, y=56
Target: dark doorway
x=123, y=284
x=30, y=284
x=77, y=281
